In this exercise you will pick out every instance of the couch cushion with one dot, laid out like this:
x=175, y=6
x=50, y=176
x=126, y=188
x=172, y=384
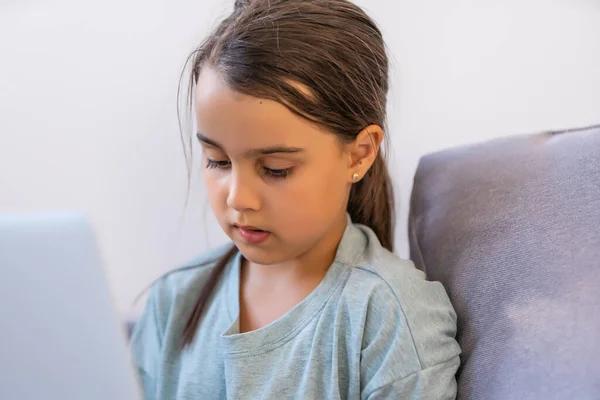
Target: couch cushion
x=512, y=229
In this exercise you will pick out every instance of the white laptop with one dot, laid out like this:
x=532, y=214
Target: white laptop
x=60, y=336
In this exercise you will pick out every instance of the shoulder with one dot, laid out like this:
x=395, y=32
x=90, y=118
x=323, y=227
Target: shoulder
x=166, y=306
x=409, y=322
x=423, y=303
x=171, y=291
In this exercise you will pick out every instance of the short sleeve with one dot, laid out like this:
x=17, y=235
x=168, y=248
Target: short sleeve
x=435, y=383
x=146, y=341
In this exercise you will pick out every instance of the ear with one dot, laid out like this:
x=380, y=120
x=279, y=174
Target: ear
x=363, y=151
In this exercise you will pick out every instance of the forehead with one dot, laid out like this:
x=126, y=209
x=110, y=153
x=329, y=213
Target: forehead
x=240, y=122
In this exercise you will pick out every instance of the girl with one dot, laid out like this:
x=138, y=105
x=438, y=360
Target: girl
x=308, y=302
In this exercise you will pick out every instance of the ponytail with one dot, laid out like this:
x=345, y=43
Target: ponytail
x=372, y=202
x=191, y=325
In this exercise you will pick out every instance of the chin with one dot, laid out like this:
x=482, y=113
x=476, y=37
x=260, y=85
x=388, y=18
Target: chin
x=260, y=256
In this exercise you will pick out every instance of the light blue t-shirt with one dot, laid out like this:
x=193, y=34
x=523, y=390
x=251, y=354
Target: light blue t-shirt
x=374, y=328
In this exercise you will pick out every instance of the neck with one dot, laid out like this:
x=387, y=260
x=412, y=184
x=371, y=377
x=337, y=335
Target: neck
x=269, y=291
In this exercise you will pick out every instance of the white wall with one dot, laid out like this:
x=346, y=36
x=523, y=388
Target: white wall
x=87, y=105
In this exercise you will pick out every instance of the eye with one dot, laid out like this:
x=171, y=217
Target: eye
x=277, y=173
x=221, y=164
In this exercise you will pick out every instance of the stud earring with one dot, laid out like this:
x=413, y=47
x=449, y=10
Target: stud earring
x=355, y=177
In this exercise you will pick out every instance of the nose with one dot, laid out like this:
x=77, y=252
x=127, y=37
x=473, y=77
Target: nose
x=243, y=195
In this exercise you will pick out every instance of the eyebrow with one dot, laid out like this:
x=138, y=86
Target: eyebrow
x=254, y=152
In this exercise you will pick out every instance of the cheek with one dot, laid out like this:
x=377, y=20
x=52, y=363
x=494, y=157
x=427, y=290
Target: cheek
x=217, y=196
x=316, y=196
x=331, y=193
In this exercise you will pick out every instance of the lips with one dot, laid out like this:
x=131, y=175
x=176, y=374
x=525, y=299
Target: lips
x=252, y=235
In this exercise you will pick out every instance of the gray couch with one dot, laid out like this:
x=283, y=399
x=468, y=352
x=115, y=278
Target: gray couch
x=511, y=228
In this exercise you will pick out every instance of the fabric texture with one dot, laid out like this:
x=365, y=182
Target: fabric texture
x=511, y=228
x=373, y=329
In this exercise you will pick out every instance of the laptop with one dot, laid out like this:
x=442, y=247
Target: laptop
x=60, y=335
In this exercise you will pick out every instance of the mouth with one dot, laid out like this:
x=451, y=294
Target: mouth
x=251, y=234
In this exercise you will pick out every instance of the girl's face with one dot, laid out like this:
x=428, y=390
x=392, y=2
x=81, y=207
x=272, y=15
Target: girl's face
x=278, y=184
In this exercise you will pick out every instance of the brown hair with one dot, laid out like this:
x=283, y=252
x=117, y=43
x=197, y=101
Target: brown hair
x=271, y=49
